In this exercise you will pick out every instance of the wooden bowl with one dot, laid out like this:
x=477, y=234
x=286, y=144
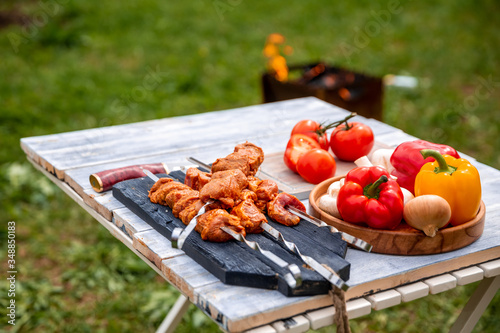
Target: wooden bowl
x=404, y=240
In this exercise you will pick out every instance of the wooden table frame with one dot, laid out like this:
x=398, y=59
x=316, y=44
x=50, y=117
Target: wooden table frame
x=477, y=262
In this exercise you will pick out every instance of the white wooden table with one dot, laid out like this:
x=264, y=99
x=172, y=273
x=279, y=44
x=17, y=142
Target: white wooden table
x=377, y=281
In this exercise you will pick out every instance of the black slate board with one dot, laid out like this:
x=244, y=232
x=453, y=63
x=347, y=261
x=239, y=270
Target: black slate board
x=235, y=263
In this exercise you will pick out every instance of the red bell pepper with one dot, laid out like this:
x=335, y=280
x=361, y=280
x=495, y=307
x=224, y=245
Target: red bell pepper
x=407, y=160
x=369, y=195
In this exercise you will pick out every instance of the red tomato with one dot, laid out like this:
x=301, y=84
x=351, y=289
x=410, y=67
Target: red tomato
x=311, y=128
x=298, y=145
x=353, y=143
x=316, y=165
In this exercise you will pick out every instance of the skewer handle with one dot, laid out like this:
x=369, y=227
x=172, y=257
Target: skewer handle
x=104, y=180
x=323, y=270
x=293, y=277
x=352, y=240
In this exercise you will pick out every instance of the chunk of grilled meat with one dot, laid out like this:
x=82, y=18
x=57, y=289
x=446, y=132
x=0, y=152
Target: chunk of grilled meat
x=253, y=153
x=196, y=178
x=276, y=209
x=210, y=222
x=186, y=200
x=231, y=162
x=246, y=157
x=188, y=213
x=159, y=183
x=162, y=188
x=251, y=217
x=225, y=186
x=253, y=183
x=266, y=191
x=246, y=194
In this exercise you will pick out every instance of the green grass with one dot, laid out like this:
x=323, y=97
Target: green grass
x=85, y=64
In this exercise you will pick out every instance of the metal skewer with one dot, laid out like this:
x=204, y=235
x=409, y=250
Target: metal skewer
x=322, y=270
x=179, y=235
x=199, y=163
x=293, y=278
x=350, y=239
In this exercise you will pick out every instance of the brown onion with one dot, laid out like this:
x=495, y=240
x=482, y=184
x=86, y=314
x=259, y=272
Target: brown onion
x=428, y=213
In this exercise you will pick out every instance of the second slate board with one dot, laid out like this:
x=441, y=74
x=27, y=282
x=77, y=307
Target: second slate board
x=233, y=262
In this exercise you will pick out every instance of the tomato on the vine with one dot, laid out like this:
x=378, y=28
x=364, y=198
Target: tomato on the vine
x=316, y=165
x=312, y=129
x=351, y=142
x=296, y=147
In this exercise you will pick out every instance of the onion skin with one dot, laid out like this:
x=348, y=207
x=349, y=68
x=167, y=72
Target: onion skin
x=328, y=204
x=427, y=213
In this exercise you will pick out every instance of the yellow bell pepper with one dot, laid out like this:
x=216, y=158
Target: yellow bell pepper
x=455, y=180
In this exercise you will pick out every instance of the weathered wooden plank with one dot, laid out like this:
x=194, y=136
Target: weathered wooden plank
x=186, y=274
x=262, y=329
x=393, y=139
x=490, y=194
x=129, y=222
x=487, y=173
x=468, y=275
x=413, y=291
x=240, y=308
x=384, y=299
x=85, y=148
x=491, y=268
x=297, y=324
x=61, y=152
x=155, y=247
x=441, y=283
x=103, y=203
x=358, y=308
x=321, y=318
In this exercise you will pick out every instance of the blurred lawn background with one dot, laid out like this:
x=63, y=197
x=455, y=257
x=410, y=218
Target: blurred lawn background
x=69, y=65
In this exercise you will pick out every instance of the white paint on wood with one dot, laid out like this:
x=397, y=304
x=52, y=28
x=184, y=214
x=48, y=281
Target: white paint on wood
x=358, y=308
x=104, y=203
x=155, y=247
x=262, y=329
x=297, y=324
x=129, y=222
x=384, y=299
x=186, y=274
x=413, y=291
x=393, y=139
x=441, y=283
x=468, y=275
x=491, y=268
x=321, y=318
x=242, y=308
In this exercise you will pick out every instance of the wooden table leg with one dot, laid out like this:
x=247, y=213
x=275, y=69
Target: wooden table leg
x=175, y=315
x=476, y=305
